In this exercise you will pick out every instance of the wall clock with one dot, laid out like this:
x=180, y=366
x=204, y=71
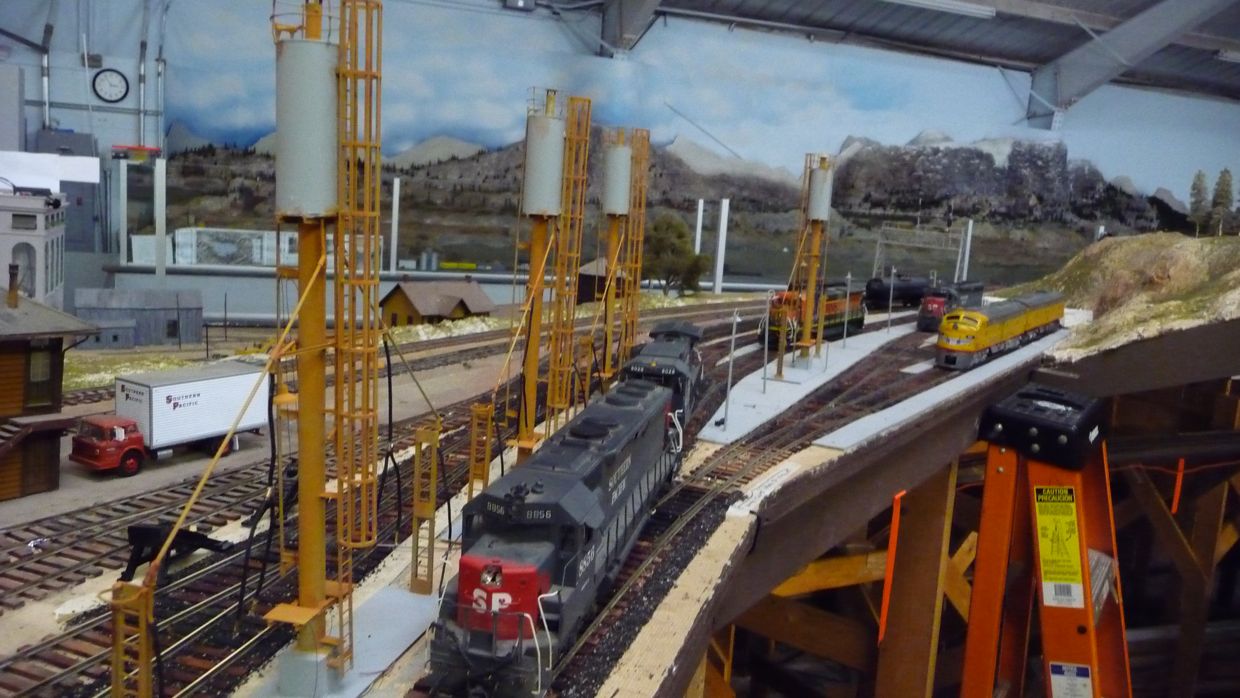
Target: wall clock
x=110, y=85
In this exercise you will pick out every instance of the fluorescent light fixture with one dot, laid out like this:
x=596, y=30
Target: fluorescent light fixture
x=959, y=7
x=1229, y=56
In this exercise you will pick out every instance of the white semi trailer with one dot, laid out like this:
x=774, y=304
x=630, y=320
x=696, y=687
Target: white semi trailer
x=158, y=411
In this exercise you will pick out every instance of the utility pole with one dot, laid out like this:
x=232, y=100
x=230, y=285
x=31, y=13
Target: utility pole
x=727, y=395
x=891, y=297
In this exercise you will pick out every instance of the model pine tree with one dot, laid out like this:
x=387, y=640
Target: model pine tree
x=1198, y=208
x=1220, y=205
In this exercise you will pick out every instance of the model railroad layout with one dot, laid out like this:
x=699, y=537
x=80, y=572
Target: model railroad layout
x=467, y=347
x=685, y=516
x=204, y=641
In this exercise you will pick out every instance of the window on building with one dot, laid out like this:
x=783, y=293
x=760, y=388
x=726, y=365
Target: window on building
x=25, y=221
x=39, y=378
x=172, y=329
x=394, y=319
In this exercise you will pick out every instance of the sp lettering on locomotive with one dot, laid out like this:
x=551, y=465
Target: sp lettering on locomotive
x=499, y=601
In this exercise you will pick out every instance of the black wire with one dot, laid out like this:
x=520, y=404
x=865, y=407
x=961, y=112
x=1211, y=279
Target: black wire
x=499, y=437
x=268, y=505
x=390, y=459
x=598, y=370
x=443, y=563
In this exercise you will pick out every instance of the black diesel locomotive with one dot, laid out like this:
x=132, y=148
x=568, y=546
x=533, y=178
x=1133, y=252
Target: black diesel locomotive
x=541, y=541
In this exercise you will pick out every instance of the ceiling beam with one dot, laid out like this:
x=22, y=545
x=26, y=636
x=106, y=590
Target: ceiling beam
x=626, y=21
x=1059, y=84
x=1059, y=14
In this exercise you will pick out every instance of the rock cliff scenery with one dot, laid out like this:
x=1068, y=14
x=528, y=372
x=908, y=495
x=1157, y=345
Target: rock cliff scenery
x=1145, y=286
x=1033, y=206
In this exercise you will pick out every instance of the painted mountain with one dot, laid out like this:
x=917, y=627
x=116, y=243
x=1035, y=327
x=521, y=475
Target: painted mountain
x=461, y=198
x=997, y=180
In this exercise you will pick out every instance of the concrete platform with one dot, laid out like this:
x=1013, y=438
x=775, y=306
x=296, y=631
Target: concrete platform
x=852, y=435
x=751, y=407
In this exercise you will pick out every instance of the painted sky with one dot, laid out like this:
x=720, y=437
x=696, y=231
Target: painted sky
x=465, y=69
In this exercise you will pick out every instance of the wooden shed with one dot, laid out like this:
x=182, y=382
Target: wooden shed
x=32, y=341
x=592, y=281
x=418, y=302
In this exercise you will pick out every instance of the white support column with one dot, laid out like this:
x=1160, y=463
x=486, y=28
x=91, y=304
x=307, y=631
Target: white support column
x=395, y=223
x=723, y=242
x=161, y=219
x=968, y=248
x=697, y=234
x=119, y=208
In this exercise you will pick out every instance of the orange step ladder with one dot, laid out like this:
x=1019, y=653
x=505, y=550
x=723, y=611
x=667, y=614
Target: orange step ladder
x=1047, y=535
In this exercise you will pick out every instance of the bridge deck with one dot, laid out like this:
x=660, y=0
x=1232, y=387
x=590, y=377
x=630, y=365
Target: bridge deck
x=778, y=525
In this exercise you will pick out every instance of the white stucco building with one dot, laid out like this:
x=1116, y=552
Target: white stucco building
x=32, y=236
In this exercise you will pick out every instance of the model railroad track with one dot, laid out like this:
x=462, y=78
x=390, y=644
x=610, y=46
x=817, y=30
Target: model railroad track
x=41, y=558
x=56, y=553
x=698, y=500
x=204, y=642
x=60, y=552
x=487, y=343
x=87, y=396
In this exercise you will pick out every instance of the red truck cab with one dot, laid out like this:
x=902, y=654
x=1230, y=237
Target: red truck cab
x=108, y=442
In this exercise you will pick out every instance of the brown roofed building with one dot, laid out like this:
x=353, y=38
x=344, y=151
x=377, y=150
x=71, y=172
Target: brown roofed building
x=419, y=302
x=592, y=281
x=32, y=360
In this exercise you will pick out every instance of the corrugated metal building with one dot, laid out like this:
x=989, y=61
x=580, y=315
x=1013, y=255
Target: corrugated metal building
x=113, y=334
x=159, y=316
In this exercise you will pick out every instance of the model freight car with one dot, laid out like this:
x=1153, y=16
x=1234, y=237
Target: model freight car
x=159, y=411
x=903, y=290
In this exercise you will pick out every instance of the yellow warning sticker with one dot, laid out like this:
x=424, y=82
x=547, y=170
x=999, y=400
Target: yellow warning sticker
x=1059, y=547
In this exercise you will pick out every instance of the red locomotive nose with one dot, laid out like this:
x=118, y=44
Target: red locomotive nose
x=932, y=306
x=499, y=596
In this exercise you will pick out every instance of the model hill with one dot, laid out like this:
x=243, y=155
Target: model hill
x=1145, y=285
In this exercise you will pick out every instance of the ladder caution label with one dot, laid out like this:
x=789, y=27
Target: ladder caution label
x=1059, y=549
x=1071, y=681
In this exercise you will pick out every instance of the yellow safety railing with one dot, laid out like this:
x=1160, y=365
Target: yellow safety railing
x=567, y=260
x=425, y=483
x=630, y=264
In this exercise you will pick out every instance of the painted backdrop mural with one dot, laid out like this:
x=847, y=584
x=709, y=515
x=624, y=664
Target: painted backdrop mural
x=733, y=113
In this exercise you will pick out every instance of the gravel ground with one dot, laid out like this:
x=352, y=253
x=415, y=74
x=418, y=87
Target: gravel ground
x=587, y=672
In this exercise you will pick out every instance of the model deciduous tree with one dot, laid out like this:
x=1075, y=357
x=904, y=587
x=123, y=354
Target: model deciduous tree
x=669, y=256
x=1198, y=207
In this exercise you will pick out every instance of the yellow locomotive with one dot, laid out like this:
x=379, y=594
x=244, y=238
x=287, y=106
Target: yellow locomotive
x=970, y=336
